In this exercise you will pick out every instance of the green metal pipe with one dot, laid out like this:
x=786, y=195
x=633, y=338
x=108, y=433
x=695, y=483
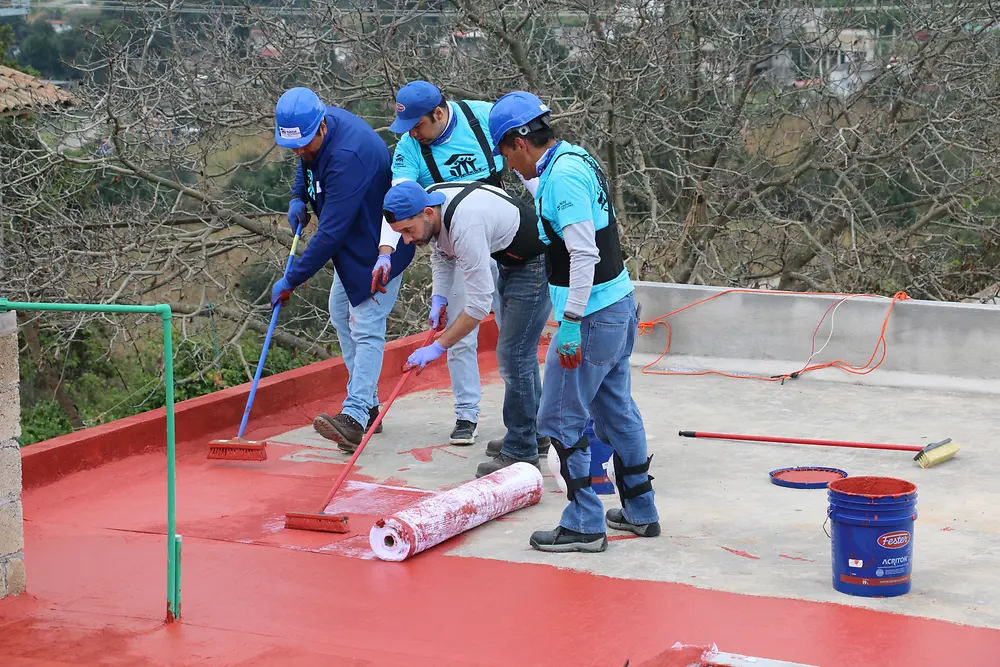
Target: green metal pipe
x=173, y=540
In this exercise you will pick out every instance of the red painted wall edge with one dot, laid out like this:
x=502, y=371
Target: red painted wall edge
x=217, y=415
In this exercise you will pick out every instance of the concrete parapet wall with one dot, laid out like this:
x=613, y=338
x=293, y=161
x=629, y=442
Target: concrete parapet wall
x=928, y=343
x=12, y=573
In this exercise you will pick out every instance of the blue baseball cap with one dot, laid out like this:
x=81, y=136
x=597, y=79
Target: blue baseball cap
x=413, y=101
x=407, y=199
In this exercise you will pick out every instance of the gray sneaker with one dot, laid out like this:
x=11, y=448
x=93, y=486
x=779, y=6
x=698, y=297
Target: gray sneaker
x=494, y=446
x=562, y=540
x=464, y=432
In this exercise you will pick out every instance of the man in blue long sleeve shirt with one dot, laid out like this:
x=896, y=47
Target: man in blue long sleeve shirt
x=343, y=175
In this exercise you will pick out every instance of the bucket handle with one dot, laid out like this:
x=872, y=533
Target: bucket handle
x=828, y=513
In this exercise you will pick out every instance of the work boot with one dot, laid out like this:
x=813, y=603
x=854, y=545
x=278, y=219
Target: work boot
x=494, y=446
x=372, y=414
x=562, y=540
x=464, y=433
x=342, y=429
x=616, y=519
x=498, y=462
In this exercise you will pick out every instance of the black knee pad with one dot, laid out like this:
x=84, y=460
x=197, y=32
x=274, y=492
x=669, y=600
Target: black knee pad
x=621, y=470
x=573, y=484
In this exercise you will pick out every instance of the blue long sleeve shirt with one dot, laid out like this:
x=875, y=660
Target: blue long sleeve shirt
x=345, y=186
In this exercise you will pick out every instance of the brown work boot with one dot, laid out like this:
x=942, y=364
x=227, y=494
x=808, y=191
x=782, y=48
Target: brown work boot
x=372, y=414
x=342, y=429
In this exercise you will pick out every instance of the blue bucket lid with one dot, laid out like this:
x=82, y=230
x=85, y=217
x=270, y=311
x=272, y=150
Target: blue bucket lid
x=786, y=477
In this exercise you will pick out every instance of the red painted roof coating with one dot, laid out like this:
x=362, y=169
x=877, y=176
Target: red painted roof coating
x=262, y=596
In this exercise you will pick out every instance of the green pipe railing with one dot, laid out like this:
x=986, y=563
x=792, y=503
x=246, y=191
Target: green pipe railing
x=163, y=310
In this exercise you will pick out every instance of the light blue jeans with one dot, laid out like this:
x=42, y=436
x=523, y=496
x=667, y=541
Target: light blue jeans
x=361, y=332
x=600, y=386
x=463, y=356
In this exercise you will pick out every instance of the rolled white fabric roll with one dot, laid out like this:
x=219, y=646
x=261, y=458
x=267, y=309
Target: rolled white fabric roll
x=444, y=515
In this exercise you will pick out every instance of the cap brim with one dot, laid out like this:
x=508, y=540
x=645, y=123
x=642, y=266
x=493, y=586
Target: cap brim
x=402, y=125
x=292, y=143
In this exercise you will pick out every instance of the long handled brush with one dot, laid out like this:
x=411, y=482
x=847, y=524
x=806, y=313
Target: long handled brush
x=927, y=456
x=329, y=523
x=238, y=449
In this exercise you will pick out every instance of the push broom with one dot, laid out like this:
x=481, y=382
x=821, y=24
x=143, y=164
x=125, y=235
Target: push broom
x=330, y=523
x=927, y=456
x=238, y=449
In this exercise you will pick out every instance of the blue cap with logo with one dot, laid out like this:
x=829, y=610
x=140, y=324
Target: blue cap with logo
x=413, y=101
x=297, y=117
x=407, y=199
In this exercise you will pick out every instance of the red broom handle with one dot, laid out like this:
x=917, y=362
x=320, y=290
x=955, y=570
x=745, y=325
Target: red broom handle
x=371, y=429
x=798, y=441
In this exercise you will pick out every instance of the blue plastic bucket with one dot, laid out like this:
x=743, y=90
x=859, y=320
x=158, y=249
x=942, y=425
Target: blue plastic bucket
x=871, y=528
x=599, y=455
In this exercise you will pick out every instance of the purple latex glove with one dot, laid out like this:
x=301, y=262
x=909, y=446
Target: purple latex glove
x=439, y=313
x=423, y=356
x=380, y=274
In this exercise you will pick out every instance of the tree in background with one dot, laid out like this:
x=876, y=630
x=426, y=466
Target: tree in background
x=747, y=144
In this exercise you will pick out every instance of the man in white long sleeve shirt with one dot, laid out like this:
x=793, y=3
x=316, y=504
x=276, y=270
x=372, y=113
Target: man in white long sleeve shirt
x=468, y=225
x=587, y=367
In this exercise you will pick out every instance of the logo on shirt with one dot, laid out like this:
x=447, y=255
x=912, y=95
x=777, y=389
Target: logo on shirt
x=400, y=158
x=563, y=205
x=462, y=165
x=311, y=188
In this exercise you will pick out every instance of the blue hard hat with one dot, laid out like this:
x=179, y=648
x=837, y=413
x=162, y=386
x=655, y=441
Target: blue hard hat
x=413, y=101
x=297, y=117
x=406, y=199
x=511, y=111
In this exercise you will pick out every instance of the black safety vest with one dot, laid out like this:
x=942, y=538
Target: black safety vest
x=494, y=178
x=525, y=245
x=608, y=244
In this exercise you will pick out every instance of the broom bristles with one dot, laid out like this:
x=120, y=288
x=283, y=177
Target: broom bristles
x=324, y=523
x=233, y=450
x=934, y=455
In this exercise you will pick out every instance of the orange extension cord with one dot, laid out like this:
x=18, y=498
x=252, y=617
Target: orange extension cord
x=648, y=326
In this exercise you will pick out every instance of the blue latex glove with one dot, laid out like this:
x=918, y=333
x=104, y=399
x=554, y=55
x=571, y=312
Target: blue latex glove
x=280, y=292
x=439, y=313
x=297, y=213
x=568, y=344
x=423, y=356
x=380, y=274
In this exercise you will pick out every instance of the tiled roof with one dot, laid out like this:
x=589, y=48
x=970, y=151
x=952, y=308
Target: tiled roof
x=20, y=92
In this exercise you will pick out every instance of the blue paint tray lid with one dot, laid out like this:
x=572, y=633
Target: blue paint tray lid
x=806, y=477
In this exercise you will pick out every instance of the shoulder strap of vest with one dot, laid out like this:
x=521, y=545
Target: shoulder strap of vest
x=467, y=189
x=425, y=150
x=477, y=129
x=601, y=179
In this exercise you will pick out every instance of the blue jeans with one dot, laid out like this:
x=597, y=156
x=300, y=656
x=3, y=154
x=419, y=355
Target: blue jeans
x=602, y=387
x=525, y=308
x=463, y=356
x=361, y=332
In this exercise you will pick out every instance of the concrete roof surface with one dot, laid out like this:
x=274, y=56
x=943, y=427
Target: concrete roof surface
x=742, y=563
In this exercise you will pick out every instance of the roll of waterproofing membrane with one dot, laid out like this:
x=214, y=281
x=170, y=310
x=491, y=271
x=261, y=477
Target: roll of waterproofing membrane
x=444, y=515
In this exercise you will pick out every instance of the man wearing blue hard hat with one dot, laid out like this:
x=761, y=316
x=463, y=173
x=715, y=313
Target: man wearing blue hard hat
x=343, y=174
x=445, y=141
x=465, y=224
x=587, y=366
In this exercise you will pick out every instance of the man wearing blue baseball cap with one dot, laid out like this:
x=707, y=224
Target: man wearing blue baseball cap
x=466, y=224
x=343, y=174
x=443, y=142
x=587, y=367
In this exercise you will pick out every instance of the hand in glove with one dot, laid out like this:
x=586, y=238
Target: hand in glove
x=439, y=313
x=568, y=344
x=297, y=213
x=380, y=274
x=280, y=292
x=423, y=356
